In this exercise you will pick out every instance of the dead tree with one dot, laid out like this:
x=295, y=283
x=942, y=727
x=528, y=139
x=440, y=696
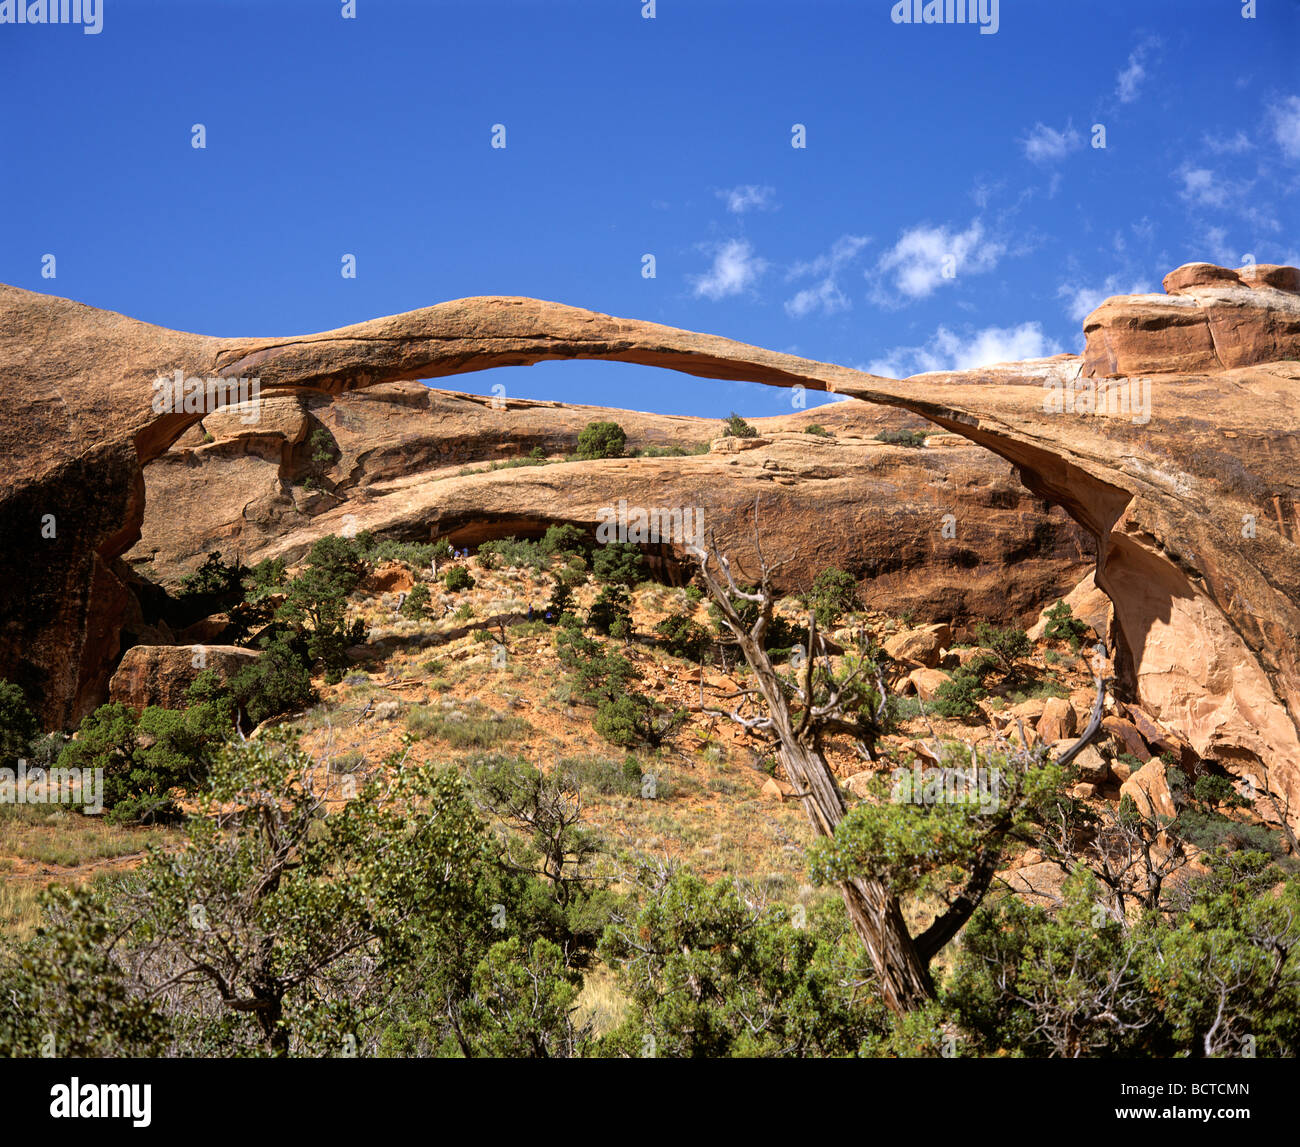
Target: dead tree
x=797, y=719
x=874, y=911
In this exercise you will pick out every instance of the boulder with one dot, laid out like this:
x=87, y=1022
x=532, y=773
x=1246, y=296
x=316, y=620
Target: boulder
x=1126, y=736
x=162, y=674
x=926, y=682
x=1092, y=766
x=923, y=646
x=1058, y=720
x=775, y=790
x=1149, y=790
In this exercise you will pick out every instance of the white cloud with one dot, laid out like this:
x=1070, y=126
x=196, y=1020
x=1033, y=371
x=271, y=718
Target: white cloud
x=1047, y=145
x=1081, y=301
x=825, y=295
x=1231, y=145
x=926, y=257
x=748, y=196
x=735, y=269
x=1216, y=243
x=1130, y=79
x=947, y=350
x=1286, y=126
x=1206, y=188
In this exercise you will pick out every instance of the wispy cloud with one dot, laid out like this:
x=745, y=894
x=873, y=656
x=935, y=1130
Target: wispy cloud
x=926, y=257
x=1205, y=187
x=1285, y=117
x=1236, y=144
x=1082, y=300
x=735, y=269
x=947, y=350
x=1045, y=145
x=1128, y=82
x=747, y=197
x=825, y=295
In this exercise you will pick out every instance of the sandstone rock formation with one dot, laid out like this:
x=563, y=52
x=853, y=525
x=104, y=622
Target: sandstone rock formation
x=1172, y=440
x=847, y=500
x=162, y=674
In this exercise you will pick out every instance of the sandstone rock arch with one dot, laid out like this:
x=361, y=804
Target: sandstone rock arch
x=1196, y=508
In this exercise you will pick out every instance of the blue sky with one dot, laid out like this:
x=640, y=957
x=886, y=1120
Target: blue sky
x=931, y=148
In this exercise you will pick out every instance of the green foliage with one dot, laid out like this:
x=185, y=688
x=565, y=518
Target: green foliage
x=214, y=581
x=694, y=594
x=564, y=539
x=277, y=682
x=601, y=440
x=1008, y=645
x=324, y=450
x=834, y=592
x=633, y=718
x=683, y=637
x=18, y=727
x=817, y=430
x=699, y=964
x=914, y=438
x=958, y=697
x=618, y=563
x=611, y=612
x=1063, y=626
x=146, y=760
x=598, y=672
x=416, y=602
x=1216, y=969
x=458, y=578
x=512, y=553
x=737, y=427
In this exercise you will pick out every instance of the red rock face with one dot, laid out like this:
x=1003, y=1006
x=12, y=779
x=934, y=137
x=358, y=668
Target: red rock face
x=846, y=500
x=1193, y=499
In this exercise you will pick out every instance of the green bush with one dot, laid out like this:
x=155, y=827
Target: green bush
x=633, y=718
x=601, y=440
x=1063, y=626
x=737, y=427
x=564, y=539
x=834, y=592
x=458, y=578
x=416, y=603
x=819, y=431
x=902, y=437
x=611, y=612
x=618, y=563
x=683, y=637
x=1008, y=645
x=956, y=698
x=18, y=727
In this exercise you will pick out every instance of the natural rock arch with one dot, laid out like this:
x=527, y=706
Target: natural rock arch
x=1208, y=618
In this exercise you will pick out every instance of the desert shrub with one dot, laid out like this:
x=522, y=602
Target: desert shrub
x=683, y=637
x=601, y=440
x=416, y=603
x=611, y=612
x=471, y=726
x=902, y=437
x=458, y=578
x=564, y=539
x=514, y=553
x=1063, y=626
x=598, y=671
x=603, y=775
x=834, y=592
x=633, y=718
x=956, y=698
x=414, y=554
x=18, y=727
x=561, y=602
x=147, y=759
x=737, y=427
x=1008, y=645
x=276, y=683
x=818, y=431
x=618, y=563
